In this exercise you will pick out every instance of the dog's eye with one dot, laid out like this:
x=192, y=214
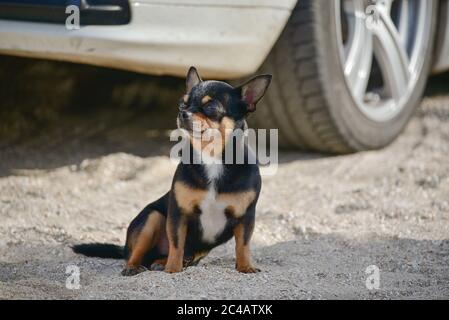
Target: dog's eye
x=210, y=108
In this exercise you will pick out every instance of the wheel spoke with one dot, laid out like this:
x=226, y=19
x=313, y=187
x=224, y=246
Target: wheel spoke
x=392, y=34
x=358, y=65
x=404, y=21
x=359, y=56
x=392, y=56
x=386, y=5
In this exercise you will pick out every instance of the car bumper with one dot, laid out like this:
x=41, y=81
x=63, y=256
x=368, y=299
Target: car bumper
x=226, y=39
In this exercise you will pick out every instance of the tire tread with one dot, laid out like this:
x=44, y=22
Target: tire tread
x=308, y=120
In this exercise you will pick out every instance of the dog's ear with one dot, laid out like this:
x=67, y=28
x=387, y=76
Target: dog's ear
x=252, y=91
x=193, y=78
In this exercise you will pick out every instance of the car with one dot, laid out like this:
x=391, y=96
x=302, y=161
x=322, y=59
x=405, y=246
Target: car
x=348, y=74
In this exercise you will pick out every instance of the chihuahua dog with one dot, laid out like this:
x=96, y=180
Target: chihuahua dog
x=209, y=201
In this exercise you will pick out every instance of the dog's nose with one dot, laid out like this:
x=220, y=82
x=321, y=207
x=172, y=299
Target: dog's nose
x=184, y=114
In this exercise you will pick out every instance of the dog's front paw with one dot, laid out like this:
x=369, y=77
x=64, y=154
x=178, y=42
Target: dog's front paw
x=133, y=271
x=170, y=269
x=247, y=269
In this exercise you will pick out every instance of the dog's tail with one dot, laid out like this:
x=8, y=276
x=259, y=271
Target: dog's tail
x=100, y=250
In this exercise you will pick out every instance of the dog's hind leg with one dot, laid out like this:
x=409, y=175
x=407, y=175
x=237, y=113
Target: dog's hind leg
x=146, y=239
x=142, y=240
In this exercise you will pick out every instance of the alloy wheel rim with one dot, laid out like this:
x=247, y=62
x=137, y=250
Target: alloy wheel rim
x=382, y=48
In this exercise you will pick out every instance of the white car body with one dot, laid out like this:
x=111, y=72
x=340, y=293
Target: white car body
x=226, y=38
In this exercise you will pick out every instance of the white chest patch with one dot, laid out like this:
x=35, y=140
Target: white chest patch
x=214, y=171
x=214, y=167
x=212, y=218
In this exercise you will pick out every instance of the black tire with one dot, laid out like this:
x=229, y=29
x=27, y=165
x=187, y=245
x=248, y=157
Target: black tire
x=309, y=100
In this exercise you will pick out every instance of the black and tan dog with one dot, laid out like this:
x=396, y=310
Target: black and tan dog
x=208, y=203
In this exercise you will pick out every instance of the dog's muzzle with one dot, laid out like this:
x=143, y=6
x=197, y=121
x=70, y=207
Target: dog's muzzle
x=185, y=120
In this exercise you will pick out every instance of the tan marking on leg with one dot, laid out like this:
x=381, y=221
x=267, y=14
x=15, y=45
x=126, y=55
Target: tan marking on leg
x=188, y=198
x=146, y=239
x=185, y=98
x=242, y=251
x=237, y=202
x=176, y=252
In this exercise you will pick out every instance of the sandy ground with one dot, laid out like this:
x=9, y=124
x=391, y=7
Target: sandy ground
x=321, y=220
